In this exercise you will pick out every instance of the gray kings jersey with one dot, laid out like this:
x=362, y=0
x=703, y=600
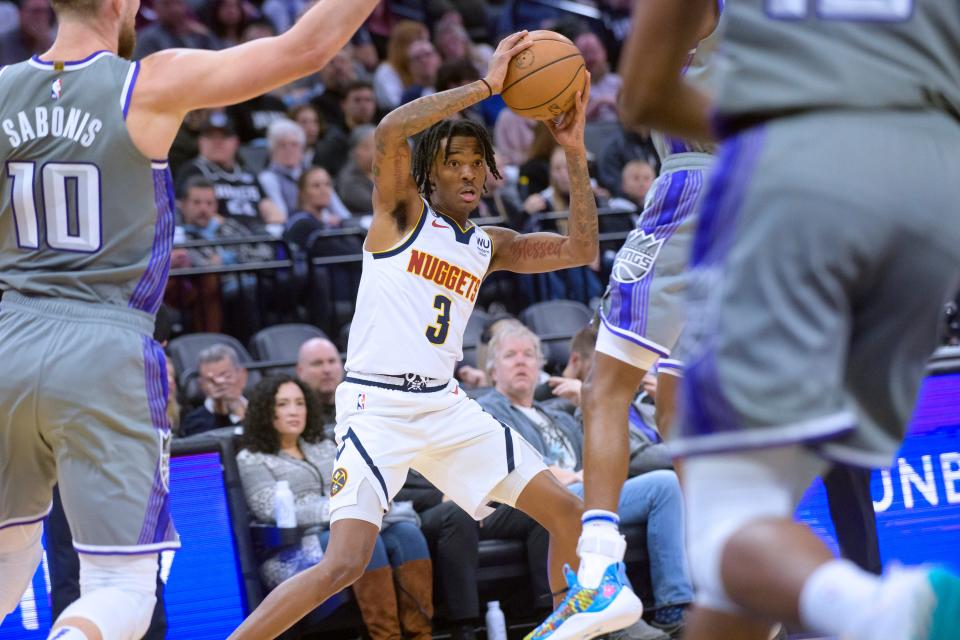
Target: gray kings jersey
x=700, y=73
x=83, y=214
x=783, y=56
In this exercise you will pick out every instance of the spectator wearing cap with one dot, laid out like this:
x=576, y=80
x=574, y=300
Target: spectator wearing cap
x=33, y=35
x=355, y=180
x=239, y=194
x=175, y=28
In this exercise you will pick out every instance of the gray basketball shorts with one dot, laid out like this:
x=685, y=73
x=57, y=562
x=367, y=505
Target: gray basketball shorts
x=83, y=403
x=826, y=247
x=643, y=310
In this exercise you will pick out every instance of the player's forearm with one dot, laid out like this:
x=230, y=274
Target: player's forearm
x=413, y=117
x=325, y=29
x=582, y=225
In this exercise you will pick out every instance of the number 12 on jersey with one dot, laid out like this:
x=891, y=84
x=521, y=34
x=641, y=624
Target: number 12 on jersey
x=70, y=200
x=437, y=332
x=854, y=10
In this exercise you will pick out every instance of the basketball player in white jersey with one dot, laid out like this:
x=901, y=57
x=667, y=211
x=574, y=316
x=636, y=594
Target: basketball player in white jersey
x=83, y=387
x=399, y=405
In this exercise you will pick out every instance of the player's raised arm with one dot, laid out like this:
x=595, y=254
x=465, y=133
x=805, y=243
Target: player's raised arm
x=539, y=252
x=661, y=38
x=392, y=181
x=174, y=81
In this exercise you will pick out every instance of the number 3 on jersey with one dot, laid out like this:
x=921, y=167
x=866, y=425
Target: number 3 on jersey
x=437, y=332
x=70, y=202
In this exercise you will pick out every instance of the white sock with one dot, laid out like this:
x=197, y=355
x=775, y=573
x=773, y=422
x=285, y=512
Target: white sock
x=834, y=594
x=600, y=546
x=67, y=633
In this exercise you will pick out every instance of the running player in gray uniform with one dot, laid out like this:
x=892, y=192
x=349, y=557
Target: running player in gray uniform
x=86, y=227
x=829, y=239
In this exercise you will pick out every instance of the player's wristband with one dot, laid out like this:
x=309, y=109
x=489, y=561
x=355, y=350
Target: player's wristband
x=489, y=88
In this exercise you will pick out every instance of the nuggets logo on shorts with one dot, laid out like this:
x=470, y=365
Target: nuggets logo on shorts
x=338, y=481
x=635, y=259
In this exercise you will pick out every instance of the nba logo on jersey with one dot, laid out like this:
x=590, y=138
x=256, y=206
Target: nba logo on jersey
x=56, y=89
x=636, y=258
x=361, y=401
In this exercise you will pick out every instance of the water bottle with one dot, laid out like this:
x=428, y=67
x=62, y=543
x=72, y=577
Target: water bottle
x=496, y=623
x=284, y=511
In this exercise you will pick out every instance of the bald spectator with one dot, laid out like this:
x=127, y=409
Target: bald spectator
x=33, y=35
x=320, y=367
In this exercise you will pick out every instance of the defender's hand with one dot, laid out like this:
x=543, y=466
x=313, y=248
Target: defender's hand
x=568, y=132
x=508, y=47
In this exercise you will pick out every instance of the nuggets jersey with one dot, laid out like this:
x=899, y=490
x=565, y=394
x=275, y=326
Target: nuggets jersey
x=83, y=214
x=780, y=57
x=415, y=299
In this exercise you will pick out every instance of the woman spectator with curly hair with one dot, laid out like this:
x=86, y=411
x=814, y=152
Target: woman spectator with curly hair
x=283, y=439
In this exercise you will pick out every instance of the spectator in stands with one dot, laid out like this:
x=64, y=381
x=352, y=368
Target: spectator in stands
x=457, y=73
x=239, y=194
x=534, y=174
x=174, y=28
x=604, y=84
x=9, y=17
x=173, y=405
x=424, y=63
x=319, y=365
x=653, y=498
x=635, y=182
x=513, y=135
x=222, y=379
x=393, y=74
x=318, y=210
x=359, y=108
x=312, y=123
x=204, y=295
x=286, y=141
x=355, y=180
x=186, y=145
x=283, y=440
x=340, y=73
x=227, y=19
x=32, y=35
x=500, y=200
x=621, y=149
x=454, y=43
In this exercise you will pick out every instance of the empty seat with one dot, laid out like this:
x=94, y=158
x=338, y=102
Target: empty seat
x=556, y=321
x=282, y=341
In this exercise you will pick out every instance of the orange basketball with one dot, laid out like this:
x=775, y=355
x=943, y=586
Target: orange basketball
x=542, y=81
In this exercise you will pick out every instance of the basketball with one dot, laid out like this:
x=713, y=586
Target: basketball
x=542, y=81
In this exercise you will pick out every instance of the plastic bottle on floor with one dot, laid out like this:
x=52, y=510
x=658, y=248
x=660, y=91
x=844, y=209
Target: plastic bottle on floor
x=496, y=622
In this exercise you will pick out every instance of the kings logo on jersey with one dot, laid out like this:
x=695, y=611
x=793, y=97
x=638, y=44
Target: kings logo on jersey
x=637, y=256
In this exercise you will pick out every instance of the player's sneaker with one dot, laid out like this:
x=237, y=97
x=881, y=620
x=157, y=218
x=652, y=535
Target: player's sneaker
x=915, y=603
x=587, y=613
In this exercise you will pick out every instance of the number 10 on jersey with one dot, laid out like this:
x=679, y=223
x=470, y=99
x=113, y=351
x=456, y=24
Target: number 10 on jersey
x=70, y=202
x=853, y=10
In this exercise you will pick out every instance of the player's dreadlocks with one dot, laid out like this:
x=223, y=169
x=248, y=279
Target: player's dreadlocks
x=428, y=146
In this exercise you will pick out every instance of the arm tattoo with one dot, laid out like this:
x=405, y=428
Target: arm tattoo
x=416, y=116
x=524, y=249
x=583, y=206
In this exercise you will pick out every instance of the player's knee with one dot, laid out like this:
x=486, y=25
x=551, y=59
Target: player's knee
x=117, y=594
x=20, y=554
x=347, y=568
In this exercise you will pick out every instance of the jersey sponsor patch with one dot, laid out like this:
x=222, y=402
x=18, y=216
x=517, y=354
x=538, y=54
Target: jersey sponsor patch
x=338, y=481
x=483, y=246
x=449, y=276
x=637, y=256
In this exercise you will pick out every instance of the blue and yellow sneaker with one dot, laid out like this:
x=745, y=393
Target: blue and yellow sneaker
x=587, y=613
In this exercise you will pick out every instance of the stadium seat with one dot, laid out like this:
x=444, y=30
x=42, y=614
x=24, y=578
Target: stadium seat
x=556, y=321
x=184, y=352
x=471, y=336
x=282, y=341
